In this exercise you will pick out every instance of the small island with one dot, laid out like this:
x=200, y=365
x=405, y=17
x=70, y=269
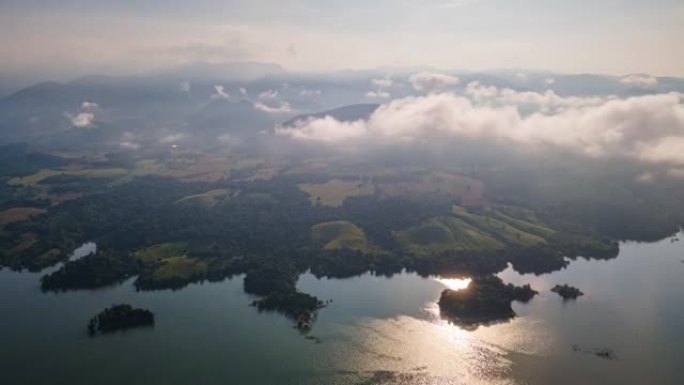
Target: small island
x=567, y=292
x=300, y=307
x=605, y=353
x=120, y=317
x=486, y=300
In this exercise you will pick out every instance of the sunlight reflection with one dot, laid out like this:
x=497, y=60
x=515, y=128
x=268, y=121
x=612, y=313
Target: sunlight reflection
x=455, y=283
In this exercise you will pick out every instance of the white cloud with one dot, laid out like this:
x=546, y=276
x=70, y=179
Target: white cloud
x=431, y=81
x=639, y=80
x=268, y=95
x=666, y=149
x=85, y=118
x=648, y=128
x=545, y=102
x=89, y=106
x=220, y=93
x=283, y=108
x=379, y=94
x=309, y=93
x=549, y=81
x=243, y=92
x=382, y=82
x=82, y=119
x=326, y=130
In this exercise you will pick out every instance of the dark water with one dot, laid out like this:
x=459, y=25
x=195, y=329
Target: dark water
x=377, y=330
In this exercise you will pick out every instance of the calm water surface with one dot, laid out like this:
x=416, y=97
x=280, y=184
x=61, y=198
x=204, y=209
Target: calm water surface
x=377, y=330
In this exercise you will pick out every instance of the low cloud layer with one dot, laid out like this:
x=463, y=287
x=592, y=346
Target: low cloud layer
x=379, y=94
x=310, y=93
x=268, y=95
x=89, y=106
x=647, y=128
x=639, y=80
x=382, y=82
x=85, y=118
x=220, y=93
x=547, y=101
x=282, y=108
x=381, y=85
x=432, y=81
x=82, y=119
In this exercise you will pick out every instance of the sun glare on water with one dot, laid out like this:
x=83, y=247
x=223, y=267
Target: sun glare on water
x=455, y=283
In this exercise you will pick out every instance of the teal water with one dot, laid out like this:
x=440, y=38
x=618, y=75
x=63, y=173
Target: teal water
x=377, y=330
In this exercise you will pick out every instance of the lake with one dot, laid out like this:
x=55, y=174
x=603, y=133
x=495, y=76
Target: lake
x=376, y=330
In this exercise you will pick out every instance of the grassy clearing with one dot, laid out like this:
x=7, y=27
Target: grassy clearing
x=161, y=251
x=438, y=235
x=340, y=235
x=427, y=238
x=263, y=174
x=334, y=192
x=200, y=168
x=179, y=268
x=208, y=199
x=500, y=229
x=35, y=179
x=432, y=184
x=526, y=226
x=18, y=214
x=471, y=238
x=486, y=231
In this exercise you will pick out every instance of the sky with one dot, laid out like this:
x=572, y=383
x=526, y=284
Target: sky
x=75, y=37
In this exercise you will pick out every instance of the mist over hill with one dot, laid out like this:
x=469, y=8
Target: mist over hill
x=206, y=101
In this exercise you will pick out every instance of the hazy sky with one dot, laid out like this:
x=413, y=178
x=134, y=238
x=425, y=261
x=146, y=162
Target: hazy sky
x=74, y=37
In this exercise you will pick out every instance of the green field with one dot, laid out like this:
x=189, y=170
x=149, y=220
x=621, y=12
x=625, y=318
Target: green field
x=525, y=225
x=161, y=251
x=200, y=168
x=334, y=192
x=438, y=235
x=499, y=229
x=340, y=235
x=486, y=231
x=179, y=268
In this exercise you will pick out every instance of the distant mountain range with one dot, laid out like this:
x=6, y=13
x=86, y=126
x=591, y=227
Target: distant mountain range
x=185, y=101
x=244, y=71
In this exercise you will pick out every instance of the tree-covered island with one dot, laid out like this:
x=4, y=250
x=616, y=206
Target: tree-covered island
x=486, y=300
x=567, y=292
x=120, y=317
